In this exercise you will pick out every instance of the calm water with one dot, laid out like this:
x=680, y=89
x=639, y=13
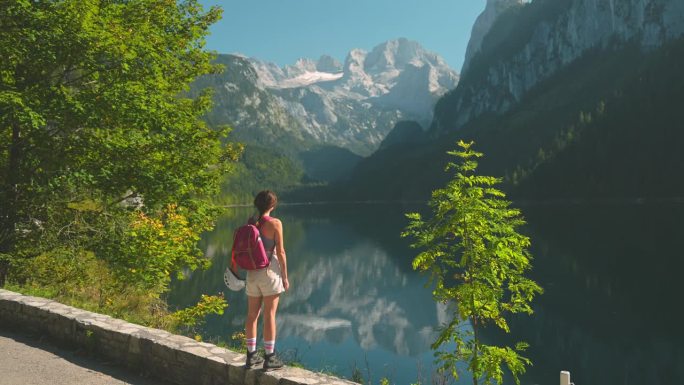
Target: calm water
x=611, y=313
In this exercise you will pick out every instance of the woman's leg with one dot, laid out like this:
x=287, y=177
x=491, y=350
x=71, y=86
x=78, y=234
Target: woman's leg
x=253, y=310
x=270, y=308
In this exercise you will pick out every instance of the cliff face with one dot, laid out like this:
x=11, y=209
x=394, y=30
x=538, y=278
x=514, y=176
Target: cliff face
x=483, y=24
x=255, y=114
x=528, y=43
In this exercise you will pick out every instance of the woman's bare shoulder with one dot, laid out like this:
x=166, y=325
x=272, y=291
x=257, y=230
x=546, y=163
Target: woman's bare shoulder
x=273, y=223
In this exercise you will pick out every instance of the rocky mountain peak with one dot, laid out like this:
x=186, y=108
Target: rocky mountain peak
x=301, y=66
x=394, y=54
x=355, y=104
x=353, y=63
x=328, y=64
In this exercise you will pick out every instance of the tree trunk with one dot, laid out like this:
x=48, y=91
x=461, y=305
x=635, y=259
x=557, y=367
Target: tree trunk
x=4, y=266
x=10, y=201
x=475, y=345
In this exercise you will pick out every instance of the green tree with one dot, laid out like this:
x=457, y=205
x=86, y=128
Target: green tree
x=105, y=165
x=476, y=259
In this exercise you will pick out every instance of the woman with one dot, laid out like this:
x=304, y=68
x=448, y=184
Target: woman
x=264, y=286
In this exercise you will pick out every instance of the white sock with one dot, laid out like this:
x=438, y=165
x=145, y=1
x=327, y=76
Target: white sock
x=251, y=344
x=269, y=346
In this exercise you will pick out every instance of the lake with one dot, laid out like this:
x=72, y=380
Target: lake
x=611, y=312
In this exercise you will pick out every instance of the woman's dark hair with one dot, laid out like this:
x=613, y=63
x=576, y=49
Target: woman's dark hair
x=265, y=200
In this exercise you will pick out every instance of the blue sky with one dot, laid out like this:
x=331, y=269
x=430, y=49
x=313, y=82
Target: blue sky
x=281, y=31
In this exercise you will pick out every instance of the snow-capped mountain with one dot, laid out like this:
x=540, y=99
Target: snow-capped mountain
x=303, y=73
x=354, y=105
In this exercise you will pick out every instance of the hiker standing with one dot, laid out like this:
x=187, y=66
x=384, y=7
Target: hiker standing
x=265, y=285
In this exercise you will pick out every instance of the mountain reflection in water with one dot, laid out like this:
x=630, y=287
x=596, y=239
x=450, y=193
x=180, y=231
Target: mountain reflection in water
x=350, y=292
x=359, y=291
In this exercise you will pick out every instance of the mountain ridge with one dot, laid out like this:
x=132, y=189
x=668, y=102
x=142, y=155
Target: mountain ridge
x=529, y=43
x=396, y=80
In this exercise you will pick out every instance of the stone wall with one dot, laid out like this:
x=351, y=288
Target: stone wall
x=174, y=358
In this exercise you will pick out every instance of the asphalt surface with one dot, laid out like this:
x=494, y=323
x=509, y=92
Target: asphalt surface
x=30, y=360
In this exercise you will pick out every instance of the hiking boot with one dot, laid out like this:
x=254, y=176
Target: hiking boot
x=253, y=359
x=271, y=361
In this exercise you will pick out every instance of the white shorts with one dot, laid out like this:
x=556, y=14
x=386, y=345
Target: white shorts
x=265, y=282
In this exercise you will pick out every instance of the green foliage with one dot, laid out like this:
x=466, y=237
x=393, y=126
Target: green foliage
x=239, y=341
x=60, y=270
x=106, y=167
x=193, y=316
x=475, y=258
x=357, y=375
x=152, y=247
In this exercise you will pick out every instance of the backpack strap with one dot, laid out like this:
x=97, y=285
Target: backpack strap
x=261, y=219
x=233, y=264
x=267, y=218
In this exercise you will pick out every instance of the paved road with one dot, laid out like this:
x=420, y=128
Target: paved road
x=25, y=360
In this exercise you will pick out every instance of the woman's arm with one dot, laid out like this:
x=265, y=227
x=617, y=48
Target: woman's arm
x=280, y=246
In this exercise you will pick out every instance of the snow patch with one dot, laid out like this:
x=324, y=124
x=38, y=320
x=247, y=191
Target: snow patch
x=306, y=79
x=316, y=322
x=231, y=87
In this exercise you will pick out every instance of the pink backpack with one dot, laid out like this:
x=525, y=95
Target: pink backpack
x=248, y=248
